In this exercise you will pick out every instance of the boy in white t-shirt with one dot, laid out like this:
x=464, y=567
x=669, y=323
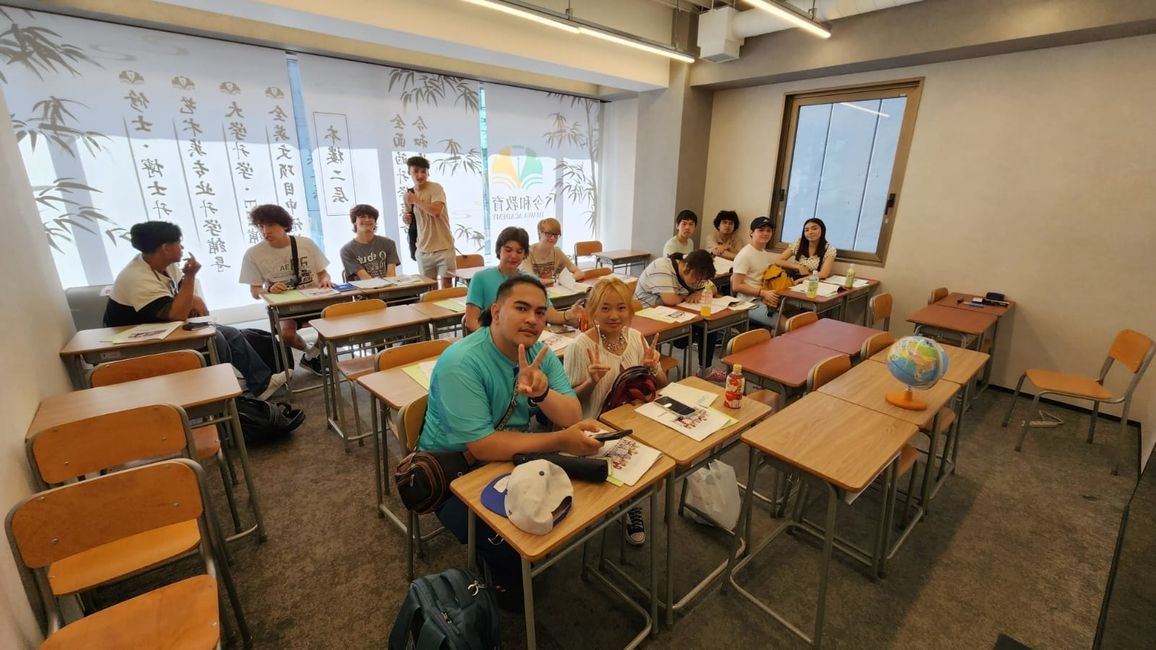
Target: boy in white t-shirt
x=751, y=263
x=268, y=268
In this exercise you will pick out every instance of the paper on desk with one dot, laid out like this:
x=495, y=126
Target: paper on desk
x=825, y=290
x=716, y=304
x=406, y=279
x=556, y=291
x=841, y=280
x=688, y=395
x=318, y=291
x=697, y=426
x=145, y=332
x=284, y=296
x=665, y=314
x=556, y=342
x=722, y=265
x=629, y=460
x=421, y=372
x=452, y=304
x=372, y=283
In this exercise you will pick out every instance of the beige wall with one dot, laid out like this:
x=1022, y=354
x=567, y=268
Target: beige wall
x=1029, y=173
x=35, y=322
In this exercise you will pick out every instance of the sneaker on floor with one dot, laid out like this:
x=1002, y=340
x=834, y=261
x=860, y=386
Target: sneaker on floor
x=714, y=375
x=314, y=365
x=635, y=527
x=275, y=383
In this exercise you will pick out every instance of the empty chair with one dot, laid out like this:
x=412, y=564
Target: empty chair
x=800, y=320
x=102, y=526
x=444, y=294
x=598, y=272
x=1130, y=348
x=826, y=370
x=469, y=261
x=937, y=295
x=873, y=345
x=586, y=248
x=880, y=308
x=348, y=370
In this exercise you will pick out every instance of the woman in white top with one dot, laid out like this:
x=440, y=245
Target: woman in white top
x=747, y=275
x=545, y=260
x=811, y=252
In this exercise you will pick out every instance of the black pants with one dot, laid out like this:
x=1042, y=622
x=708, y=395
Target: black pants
x=504, y=562
x=705, y=354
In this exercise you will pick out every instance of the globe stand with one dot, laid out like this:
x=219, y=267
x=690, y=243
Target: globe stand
x=906, y=400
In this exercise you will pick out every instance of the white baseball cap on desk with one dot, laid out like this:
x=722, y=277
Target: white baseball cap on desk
x=535, y=496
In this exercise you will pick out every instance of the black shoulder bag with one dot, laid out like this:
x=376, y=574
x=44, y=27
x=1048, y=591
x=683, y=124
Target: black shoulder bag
x=295, y=264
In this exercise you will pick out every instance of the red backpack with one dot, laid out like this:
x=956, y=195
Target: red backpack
x=634, y=385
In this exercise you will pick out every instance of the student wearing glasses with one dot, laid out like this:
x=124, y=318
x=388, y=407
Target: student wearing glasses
x=545, y=260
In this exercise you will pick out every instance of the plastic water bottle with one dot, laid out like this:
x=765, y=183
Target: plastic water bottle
x=704, y=302
x=849, y=283
x=733, y=390
x=813, y=284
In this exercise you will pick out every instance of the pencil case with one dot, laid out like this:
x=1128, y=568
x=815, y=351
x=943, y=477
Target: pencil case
x=592, y=470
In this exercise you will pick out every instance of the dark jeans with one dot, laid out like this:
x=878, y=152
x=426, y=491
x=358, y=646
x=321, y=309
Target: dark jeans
x=233, y=348
x=705, y=355
x=503, y=560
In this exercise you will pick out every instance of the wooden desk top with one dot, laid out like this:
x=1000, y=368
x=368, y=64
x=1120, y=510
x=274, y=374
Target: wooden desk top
x=836, y=335
x=714, y=315
x=437, y=312
x=966, y=321
x=781, y=360
x=649, y=327
x=369, y=322
x=956, y=300
x=799, y=292
x=90, y=341
x=591, y=502
x=962, y=364
x=683, y=450
x=421, y=285
x=393, y=386
x=186, y=389
x=622, y=254
x=843, y=444
x=467, y=274
x=868, y=383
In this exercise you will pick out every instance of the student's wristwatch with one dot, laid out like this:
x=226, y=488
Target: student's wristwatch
x=534, y=401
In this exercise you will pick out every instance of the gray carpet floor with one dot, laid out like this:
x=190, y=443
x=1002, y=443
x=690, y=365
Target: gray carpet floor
x=1017, y=543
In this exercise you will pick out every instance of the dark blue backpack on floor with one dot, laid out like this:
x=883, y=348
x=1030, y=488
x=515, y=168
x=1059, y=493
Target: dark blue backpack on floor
x=452, y=610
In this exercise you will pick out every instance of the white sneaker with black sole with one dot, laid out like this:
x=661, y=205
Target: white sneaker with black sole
x=278, y=380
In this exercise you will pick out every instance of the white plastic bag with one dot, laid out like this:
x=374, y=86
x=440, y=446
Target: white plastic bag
x=713, y=491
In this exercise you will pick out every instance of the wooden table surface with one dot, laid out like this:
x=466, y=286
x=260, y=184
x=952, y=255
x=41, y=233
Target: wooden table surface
x=867, y=385
x=649, y=327
x=844, y=444
x=436, y=312
x=622, y=254
x=799, y=292
x=962, y=364
x=186, y=389
x=591, y=502
x=342, y=296
x=369, y=322
x=393, y=386
x=836, y=335
x=963, y=320
x=90, y=341
x=682, y=449
x=957, y=300
x=714, y=315
x=780, y=360
x=467, y=274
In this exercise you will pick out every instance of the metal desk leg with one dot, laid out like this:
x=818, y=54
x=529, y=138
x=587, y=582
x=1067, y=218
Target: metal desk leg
x=280, y=353
x=471, y=541
x=528, y=603
x=250, y=484
x=825, y=572
x=669, y=550
x=378, y=441
x=74, y=363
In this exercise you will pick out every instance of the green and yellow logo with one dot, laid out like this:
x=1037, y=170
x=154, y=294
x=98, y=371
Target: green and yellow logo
x=516, y=168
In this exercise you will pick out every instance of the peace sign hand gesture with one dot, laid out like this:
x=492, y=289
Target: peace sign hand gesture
x=650, y=354
x=597, y=369
x=532, y=382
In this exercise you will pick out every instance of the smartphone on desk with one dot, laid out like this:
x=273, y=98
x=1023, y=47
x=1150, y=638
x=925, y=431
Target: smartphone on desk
x=195, y=325
x=674, y=405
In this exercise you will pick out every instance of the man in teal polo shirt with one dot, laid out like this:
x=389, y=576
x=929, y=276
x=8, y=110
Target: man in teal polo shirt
x=498, y=369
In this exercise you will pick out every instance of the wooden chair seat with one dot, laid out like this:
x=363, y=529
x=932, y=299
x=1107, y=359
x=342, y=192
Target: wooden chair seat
x=206, y=441
x=768, y=397
x=180, y=615
x=667, y=363
x=356, y=367
x=907, y=457
x=1075, y=385
x=122, y=557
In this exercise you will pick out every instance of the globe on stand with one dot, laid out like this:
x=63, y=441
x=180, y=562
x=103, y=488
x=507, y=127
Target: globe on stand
x=918, y=362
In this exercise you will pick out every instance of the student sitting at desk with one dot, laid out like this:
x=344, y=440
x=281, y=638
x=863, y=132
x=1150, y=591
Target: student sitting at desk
x=269, y=266
x=724, y=242
x=480, y=397
x=151, y=289
x=600, y=354
x=545, y=260
x=368, y=255
x=684, y=225
x=675, y=279
x=511, y=249
x=811, y=252
x=747, y=276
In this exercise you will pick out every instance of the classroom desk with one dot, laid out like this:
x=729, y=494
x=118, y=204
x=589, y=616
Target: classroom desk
x=968, y=323
x=963, y=301
x=467, y=274
x=688, y=456
x=207, y=393
x=797, y=295
x=836, y=335
x=404, y=322
x=567, y=300
x=441, y=319
x=867, y=385
x=88, y=345
x=721, y=321
x=668, y=333
x=831, y=442
x=782, y=361
x=595, y=506
x=624, y=257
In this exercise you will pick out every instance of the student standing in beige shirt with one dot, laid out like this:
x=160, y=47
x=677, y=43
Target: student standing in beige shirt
x=426, y=202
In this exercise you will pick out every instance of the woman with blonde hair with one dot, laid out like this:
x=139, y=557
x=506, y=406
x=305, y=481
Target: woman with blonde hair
x=545, y=260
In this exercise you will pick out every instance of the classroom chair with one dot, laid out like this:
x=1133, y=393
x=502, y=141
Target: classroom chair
x=873, y=345
x=826, y=370
x=348, y=370
x=880, y=308
x=800, y=320
x=469, y=261
x=743, y=341
x=104, y=527
x=598, y=272
x=937, y=295
x=409, y=423
x=586, y=249
x=206, y=439
x=1130, y=348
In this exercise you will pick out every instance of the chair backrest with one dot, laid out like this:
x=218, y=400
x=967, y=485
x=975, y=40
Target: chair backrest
x=880, y=307
x=747, y=339
x=469, y=261
x=61, y=522
x=443, y=294
x=406, y=354
x=584, y=248
x=69, y=451
x=352, y=307
x=1130, y=348
x=152, y=365
x=598, y=272
x=800, y=320
x=635, y=305
x=826, y=370
x=876, y=343
x=410, y=420
x=937, y=295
